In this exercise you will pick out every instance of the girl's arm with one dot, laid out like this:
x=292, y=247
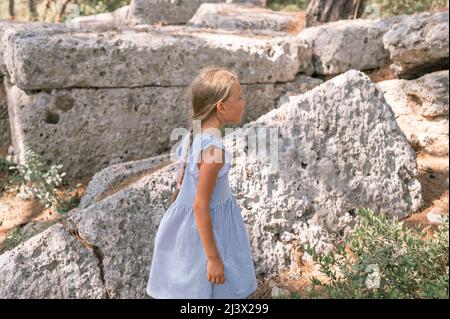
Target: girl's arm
x=212, y=160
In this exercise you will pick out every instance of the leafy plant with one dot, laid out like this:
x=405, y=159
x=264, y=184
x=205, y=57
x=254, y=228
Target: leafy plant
x=386, y=259
x=43, y=183
x=296, y=295
x=287, y=5
x=398, y=7
x=384, y=7
x=4, y=164
x=21, y=233
x=14, y=237
x=88, y=7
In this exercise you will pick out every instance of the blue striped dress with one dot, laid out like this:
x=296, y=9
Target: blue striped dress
x=178, y=267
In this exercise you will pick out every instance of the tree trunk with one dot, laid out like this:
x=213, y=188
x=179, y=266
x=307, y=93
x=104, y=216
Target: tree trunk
x=32, y=9
x=11, y=10
x=48, y=4
x=323, y=11
x=61, y=12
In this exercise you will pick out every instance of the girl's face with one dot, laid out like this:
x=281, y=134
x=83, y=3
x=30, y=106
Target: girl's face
x=233, y=107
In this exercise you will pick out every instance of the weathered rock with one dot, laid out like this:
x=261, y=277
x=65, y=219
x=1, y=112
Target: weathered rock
x=120, y=229
x=418, y=44
x=123, y=227
x=163, y=11
x=348, y=44
x=339, y=148
x=150, y=12
x=117, y=19
x=9, y=28
x=53, y=264
x=244, y=16
x=261, y=98
x=421, y=109
x=429, y=94
x=146, y=56
x=5, y=25
x=120, y=175
x=87, y=130
x=278, y=292
x=436, y=216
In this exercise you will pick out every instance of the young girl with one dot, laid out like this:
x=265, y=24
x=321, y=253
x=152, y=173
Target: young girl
x=201, y=247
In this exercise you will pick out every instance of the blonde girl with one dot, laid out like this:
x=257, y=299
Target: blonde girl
x=201, y=247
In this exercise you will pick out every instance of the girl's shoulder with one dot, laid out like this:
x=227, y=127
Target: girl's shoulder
x=205, y=140
x=200, y=142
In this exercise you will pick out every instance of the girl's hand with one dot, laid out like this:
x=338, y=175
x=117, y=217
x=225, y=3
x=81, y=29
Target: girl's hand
x=215, y=270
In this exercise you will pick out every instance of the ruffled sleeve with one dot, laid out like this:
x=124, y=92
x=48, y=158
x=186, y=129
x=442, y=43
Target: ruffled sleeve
x=202, y=143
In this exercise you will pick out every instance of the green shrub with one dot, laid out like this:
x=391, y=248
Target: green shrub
x=14, y=238
x=43, y=183
x=4, y=164
x=22, y=233
x=389, y=260
x=287, y=5
x=383, y=7
x=397, y=7
x=88, y=7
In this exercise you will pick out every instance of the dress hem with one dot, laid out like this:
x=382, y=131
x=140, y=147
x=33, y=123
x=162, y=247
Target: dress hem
x=241, y=296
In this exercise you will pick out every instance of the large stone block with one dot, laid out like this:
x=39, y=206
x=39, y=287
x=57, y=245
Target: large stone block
x=421, y=110
x=348, y=44
x=418, y=44
x=245, y=16
x=339, y=149
x=61, y=57
x=120, y=175
x=262, y=98
x=87, y=130
x=53, y=264
x=8, y=27
x=163, y=11
x=116, y=19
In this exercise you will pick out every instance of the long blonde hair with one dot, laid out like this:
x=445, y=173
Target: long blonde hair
x=212, y=85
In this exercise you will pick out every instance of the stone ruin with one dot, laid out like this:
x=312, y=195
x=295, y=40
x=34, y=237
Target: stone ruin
x=102, y=99
x=340, y=148
x=80, y=103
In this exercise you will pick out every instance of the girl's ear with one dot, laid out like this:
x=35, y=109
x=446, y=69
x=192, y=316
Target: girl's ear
x=220, y=107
